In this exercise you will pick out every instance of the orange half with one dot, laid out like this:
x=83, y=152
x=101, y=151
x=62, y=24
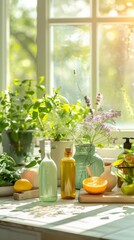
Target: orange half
x=94, y=185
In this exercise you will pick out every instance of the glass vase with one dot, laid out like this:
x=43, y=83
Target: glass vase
x=85, y=155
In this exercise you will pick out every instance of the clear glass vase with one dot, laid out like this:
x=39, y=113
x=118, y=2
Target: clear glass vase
x=85, y=155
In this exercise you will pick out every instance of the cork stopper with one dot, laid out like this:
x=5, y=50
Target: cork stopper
x=68, y=151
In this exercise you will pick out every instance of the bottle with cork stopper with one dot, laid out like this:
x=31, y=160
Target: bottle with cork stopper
x=67, y=175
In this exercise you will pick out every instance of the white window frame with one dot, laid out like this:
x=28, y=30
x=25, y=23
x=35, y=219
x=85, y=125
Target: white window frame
x=4, y=44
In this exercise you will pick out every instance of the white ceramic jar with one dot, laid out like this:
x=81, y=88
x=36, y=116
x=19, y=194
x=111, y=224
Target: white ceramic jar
x=110, y=176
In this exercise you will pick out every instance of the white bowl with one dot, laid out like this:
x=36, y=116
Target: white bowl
x=6, y=191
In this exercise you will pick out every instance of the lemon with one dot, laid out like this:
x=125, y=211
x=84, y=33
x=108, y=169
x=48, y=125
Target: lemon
x=128, y=189
x=22, y=185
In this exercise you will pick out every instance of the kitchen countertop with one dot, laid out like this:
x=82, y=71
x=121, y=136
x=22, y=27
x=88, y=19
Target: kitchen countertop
x=64, y=219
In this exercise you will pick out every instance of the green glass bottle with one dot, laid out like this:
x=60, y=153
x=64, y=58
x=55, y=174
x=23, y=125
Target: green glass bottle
x=47, y=176
x=67, y=173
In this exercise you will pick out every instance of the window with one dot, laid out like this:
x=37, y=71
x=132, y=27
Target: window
x=4, y=47
x=94, y=38
x=22, y=44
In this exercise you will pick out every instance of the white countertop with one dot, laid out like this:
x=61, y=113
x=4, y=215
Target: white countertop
x=69, y=217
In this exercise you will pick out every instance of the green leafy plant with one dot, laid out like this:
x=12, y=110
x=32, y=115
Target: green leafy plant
x=8, y=172
x=16, y=106
x=57, y=117
x=125, y=166
x=35, y=161
x=25, y=106
x=17, y=124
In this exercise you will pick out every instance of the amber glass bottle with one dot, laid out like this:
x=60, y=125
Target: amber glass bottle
x=67, y=174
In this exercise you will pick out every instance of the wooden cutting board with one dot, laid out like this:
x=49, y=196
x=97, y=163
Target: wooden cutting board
x=34, y=193
x=107, y=197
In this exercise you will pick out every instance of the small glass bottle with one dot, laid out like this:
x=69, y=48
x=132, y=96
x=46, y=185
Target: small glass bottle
x=67, y=174
x=47, y=176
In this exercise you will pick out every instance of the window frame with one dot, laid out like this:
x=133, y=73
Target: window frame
x=4, y=44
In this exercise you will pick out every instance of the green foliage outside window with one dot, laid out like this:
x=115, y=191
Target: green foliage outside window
x=22, y=54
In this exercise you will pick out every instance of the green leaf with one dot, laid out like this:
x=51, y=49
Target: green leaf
x=118, y=162
x=37, y=104
x=35, y=115
x=31, y=164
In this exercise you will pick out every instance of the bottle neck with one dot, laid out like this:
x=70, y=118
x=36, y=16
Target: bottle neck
x=48, y=155
x=67, y=154
x=48, y=149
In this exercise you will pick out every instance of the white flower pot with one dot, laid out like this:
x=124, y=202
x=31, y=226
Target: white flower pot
x=57, y=152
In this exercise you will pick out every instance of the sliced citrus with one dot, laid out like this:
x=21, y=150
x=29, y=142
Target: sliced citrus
x=22, y=185
x=95, y=185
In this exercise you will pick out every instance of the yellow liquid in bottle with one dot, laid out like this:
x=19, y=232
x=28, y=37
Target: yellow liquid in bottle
x=67, y=171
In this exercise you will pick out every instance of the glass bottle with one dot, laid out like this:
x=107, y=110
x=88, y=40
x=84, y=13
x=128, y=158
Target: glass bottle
x=47, y=176
x=67, y=172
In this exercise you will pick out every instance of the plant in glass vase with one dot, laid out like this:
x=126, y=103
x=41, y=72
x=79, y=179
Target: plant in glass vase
x=97, y=126
x=94, y=129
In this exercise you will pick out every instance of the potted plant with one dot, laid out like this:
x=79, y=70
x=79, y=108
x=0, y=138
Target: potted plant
x=16, y=119
x=57, y=118
x=8, y=174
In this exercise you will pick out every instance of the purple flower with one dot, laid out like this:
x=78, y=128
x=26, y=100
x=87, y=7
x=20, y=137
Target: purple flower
x=88, y=101
x=106, y=128
x=96, y=127
x=99, y=99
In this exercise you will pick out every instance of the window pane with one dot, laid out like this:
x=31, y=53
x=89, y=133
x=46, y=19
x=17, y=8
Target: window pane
x=69, y=8
x=71, y=51
x=114, y=8
x=22, y=39
x=116, y=72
